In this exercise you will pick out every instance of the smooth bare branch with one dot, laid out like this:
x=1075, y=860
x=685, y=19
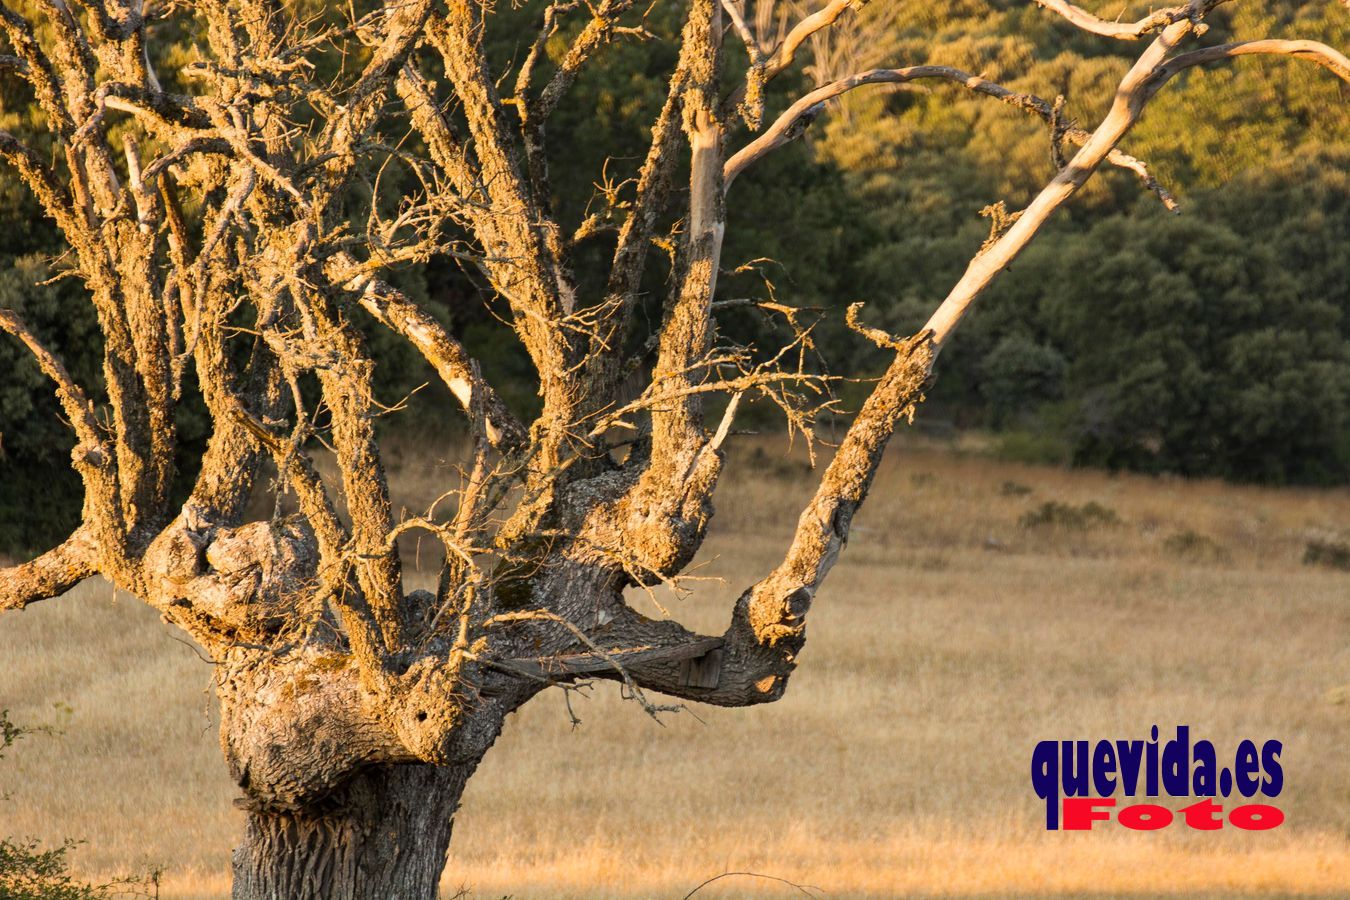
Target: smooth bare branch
x=1125, y=31
x=786, y=52
x=1312, y=51
x=802, y=113
x=1130, y=97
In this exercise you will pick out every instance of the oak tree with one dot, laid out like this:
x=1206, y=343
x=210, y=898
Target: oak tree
x=209, y=218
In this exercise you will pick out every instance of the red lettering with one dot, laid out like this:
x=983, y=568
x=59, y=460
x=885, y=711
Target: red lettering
x=1145, y=817
x=1078, y=814
x=1081, y=812
x=1204, y=816
x=1256, y=817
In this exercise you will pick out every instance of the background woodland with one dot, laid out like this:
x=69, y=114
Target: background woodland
x=1213, y=342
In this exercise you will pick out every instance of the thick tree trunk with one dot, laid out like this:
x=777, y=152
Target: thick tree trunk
x=384, y=837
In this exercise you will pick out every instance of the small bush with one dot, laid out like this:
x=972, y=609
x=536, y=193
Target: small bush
x=1331, y=554
x=28, y=871
x=1069, y=517
x=778, y=465
x=1032, y=448
x=1013, y=489
x=1196, y=547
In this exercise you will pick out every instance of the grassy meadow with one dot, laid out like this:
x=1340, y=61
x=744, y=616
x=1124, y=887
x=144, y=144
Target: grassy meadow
x=965, y=622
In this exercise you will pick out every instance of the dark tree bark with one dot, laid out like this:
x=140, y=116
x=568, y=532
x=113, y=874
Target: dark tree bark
x=384, y=834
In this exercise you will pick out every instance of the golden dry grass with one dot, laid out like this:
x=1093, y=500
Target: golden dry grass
x=948, y=642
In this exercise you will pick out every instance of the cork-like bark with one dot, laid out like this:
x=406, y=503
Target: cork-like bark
x=384, y=834
x=217, y=252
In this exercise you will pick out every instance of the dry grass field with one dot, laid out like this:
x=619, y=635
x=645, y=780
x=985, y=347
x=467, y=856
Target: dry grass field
x=948, y=642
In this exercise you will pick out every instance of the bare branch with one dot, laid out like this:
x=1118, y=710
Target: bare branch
x=604, y=359
x=314, y=502
x=1312, y=51
x=113, y=29
x=51, y=574
x=74, y=401
x=166, y=111
x=39, y=70
x=41, y=180
x=768, y=624
x=686, y=331
x=547, y=28
x=748, y=96
x=445, y=354
x=801, y=114
x=92, y=459
x=73, y=55
x=1125, y=31
x=774, y=609
x=535, y=113
x=822, y=18
x=1148, y=74
x=598, y=31
x=524, y=248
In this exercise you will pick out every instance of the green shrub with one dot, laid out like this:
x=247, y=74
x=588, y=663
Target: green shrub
x=1195, y=547
x=1331, y=554
x=1036, y=448
x=1067, y=516
x=28, y=871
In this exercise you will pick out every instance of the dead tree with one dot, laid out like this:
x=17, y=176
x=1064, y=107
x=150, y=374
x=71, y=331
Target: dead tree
x=211, y=234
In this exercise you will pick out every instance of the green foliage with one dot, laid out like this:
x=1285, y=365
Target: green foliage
x=1195, y=349
x=1211, y=343
x=1214, y=343
x=28, y=871
x=1033, y=446
x=1019, y=374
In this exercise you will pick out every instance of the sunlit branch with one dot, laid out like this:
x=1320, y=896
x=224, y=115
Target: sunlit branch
x=51, y=574
x=1126, y=31
x=801, y=114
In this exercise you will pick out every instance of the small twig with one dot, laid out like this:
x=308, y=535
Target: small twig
x=803, y=888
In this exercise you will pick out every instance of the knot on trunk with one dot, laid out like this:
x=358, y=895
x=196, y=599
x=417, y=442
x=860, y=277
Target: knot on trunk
x=253, y=579
x=425, y=705
x=297, y=726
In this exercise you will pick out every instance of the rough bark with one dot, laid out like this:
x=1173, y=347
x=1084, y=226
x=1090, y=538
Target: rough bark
x=383, y=835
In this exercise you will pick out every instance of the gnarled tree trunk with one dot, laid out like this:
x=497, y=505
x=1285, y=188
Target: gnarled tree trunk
x=353, y=711
x=384, y=834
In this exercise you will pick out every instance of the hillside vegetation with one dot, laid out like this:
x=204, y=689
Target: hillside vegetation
x=1210, y=343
